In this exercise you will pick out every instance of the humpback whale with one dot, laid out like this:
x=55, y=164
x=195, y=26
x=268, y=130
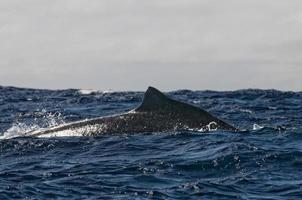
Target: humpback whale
x=157, y=113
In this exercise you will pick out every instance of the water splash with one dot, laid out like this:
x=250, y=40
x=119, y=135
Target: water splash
x=42, y=120
x=257, y=127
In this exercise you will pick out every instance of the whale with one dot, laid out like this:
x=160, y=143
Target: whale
x=156, y=113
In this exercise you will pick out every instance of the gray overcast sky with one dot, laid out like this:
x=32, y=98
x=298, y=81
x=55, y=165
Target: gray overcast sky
x=170, y=44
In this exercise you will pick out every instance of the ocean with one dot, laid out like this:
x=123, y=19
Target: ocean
x=262, y=161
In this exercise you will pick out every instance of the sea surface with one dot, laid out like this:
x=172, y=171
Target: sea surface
x=262, y=161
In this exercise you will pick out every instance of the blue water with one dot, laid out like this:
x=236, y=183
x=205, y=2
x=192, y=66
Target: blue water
x=263, y=161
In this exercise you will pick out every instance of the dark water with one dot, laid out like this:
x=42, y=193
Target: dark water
x=256, y=163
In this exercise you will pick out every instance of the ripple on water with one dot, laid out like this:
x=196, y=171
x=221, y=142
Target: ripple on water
x=260, y=163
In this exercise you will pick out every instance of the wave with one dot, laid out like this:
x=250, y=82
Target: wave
x=93, y=92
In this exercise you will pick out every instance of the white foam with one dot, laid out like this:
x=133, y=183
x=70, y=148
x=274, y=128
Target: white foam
x=246, y=111
x=19, y=130
x=257, y=127
x=65, y=133
x=91, y=91
x=87, y=130
x=206, y=128
x=209, y=126
x=44, y=121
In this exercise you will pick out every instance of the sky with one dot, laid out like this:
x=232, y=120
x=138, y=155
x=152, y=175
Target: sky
x=169, y=44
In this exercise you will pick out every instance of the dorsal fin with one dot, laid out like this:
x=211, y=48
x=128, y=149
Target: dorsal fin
x=156, y=101
x=153, y=100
